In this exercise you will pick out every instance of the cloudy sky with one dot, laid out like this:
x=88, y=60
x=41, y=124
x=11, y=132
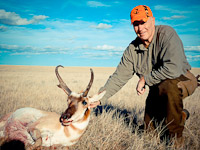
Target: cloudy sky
x=84, y=32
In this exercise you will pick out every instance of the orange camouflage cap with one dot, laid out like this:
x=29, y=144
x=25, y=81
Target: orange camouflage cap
x=141, y=13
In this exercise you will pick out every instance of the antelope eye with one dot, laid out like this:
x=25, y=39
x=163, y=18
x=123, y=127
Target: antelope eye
x=84, y=103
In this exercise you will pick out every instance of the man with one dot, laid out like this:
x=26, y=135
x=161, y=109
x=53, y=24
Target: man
x=157, y=57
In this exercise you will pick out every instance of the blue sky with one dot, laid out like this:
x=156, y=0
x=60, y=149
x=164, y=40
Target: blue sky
x=85, y=32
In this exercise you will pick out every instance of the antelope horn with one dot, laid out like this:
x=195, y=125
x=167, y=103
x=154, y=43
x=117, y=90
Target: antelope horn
x=62, y=85
x=89, y=85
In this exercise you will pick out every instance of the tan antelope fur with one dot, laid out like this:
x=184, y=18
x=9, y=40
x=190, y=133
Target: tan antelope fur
x=37, y=128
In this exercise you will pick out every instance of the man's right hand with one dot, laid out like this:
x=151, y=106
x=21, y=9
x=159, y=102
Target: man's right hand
x=95, y=104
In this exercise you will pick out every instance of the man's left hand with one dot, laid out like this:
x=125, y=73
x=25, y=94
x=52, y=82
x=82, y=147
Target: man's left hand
x=141, y=86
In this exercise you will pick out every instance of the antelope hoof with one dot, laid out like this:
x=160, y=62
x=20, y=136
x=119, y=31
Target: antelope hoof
x=29, y=147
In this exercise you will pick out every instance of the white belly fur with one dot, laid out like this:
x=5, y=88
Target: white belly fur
x=58, y=137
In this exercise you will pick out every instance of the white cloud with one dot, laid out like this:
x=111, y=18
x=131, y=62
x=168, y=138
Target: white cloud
x=185, y=24
x=36, y=19
x=69, y=34
x=100, y=55
x=102, y=26
x=160, y=7
x=173, y=17
x=193, y=58
x=165, y=8
x=3, y=28
x=117, y=2
x=109, y=48
x=31, y=50
x=96, y=4
x=95, y=55
x=11, y=18
x=104, y=47
x=192, y=48
x=97, y=52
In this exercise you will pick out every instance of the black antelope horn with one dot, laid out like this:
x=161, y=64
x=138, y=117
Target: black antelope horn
x=62, y=85
x=89, y=85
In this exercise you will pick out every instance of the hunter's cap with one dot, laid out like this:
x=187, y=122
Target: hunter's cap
x=141, y=13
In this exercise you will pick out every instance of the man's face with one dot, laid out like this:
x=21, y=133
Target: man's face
x=145, y=30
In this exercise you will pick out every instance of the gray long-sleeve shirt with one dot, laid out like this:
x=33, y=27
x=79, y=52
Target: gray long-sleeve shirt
x=163, y=59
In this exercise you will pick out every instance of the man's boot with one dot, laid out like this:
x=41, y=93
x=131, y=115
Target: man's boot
x=179, y=142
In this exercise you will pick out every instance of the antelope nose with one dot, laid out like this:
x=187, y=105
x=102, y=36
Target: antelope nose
x=64, y=116
x=61, y=119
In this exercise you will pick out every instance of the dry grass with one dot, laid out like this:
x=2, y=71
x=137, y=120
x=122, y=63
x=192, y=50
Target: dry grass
x=25, y=86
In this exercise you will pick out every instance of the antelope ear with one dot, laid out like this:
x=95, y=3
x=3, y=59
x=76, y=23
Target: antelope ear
x=97, y=97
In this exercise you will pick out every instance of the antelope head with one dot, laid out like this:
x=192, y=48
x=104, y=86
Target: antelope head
x=78, y=103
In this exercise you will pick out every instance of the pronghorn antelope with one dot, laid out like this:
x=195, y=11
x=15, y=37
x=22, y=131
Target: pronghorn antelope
x=37, y=128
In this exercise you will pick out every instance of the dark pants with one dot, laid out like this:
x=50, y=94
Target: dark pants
x=164, y=103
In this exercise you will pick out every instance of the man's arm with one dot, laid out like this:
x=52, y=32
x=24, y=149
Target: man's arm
x=120, y=77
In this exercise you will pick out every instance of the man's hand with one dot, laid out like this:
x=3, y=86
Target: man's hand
x=95, y=104
x=141, y=86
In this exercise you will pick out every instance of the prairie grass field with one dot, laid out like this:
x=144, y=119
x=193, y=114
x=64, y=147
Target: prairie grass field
x=36, y=86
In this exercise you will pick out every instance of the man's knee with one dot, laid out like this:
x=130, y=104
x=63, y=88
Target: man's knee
x=169, y=86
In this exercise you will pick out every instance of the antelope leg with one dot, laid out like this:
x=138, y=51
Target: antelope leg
x=36, y=135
